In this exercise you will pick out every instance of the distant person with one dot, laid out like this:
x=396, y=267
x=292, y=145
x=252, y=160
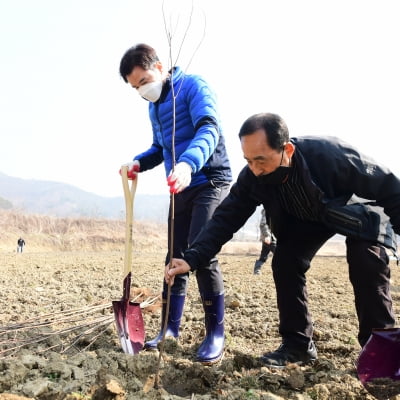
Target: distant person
x=199, y=181
x=20, y=245
x=268, y=243
x=311, y=187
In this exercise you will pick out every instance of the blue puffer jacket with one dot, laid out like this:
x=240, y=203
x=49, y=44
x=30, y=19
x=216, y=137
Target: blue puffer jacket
x=198, y=137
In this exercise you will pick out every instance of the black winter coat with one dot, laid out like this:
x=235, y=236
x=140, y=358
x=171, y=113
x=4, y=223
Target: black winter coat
x=356, y=197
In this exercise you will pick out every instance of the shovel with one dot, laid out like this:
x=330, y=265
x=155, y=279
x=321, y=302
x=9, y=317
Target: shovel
x=380, y=357
x=128, y=315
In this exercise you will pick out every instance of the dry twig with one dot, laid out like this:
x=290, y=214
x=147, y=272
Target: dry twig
x=62, y=331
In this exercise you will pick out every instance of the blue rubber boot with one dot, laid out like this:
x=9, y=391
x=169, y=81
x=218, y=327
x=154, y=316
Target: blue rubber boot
x=212, y=347
x=174, y=320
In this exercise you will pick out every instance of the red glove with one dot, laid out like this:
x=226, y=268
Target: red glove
x=179, y=178
x=133, y=169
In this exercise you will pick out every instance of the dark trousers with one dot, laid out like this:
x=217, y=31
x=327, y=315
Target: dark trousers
x=193, y=208
x=265, y=250
x=368, y=271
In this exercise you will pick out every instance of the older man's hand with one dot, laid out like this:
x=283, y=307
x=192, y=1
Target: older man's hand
x=176, y=267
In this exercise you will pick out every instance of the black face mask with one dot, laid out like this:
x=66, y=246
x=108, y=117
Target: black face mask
x=276, y=177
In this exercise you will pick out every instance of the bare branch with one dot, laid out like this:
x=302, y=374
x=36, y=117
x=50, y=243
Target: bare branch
x=200, y=42
x=185, y=34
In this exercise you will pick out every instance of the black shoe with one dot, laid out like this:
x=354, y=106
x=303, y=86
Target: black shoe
x=257, y=267
x=286, y=354
x=257, y=270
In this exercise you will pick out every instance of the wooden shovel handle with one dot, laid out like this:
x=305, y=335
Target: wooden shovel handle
x=129, y=194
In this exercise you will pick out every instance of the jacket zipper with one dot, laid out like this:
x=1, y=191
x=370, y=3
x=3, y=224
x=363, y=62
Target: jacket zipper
x=345, y=219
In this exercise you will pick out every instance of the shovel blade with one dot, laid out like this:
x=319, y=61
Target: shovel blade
x=130, y=325
x=380, y=357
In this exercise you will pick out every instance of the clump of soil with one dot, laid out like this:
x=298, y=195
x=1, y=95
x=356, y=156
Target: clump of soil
x=59, y=356
x=383, y=388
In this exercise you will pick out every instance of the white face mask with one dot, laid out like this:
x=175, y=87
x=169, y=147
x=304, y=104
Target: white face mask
x=151, y=91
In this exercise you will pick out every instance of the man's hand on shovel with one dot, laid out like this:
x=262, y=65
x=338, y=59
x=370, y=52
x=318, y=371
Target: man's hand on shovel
x=176, y=267
x=133, y=168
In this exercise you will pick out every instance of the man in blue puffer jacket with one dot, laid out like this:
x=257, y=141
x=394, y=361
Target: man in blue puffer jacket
x=185, y=121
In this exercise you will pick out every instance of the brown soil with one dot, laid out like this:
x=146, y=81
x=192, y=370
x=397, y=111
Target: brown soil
x=59, y=356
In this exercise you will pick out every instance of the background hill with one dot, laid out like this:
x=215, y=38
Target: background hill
x=61, y=216
x=56, y=216
x=62, y=200
x=55, y=199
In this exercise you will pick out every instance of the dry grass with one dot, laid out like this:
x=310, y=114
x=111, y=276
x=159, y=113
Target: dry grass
x=43, y=233
x=335, y=248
